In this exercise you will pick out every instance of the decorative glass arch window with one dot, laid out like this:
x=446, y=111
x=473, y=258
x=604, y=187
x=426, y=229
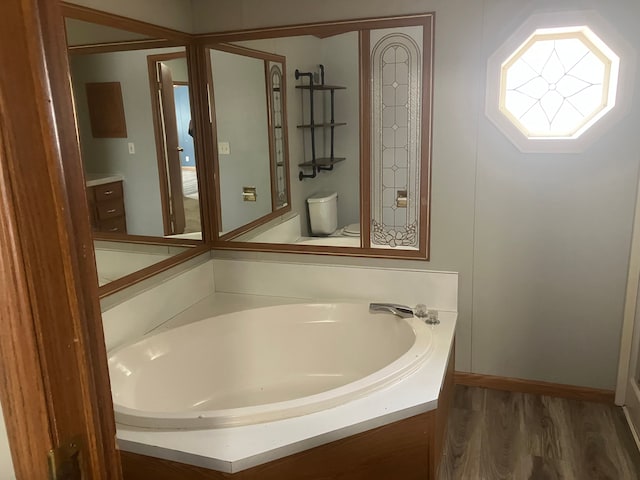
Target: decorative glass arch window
x=396, y=140
x=279, y=184
x=558, y=83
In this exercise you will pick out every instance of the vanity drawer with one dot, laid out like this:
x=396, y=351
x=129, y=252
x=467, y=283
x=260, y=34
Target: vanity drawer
x=108, y=191
x=106, y=207
x=113, y=225
x=110, y=209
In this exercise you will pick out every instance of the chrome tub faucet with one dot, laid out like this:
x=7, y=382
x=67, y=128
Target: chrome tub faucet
x=401, y=311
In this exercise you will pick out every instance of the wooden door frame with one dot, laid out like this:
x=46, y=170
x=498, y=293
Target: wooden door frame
x=54, y=381
x=152, y=61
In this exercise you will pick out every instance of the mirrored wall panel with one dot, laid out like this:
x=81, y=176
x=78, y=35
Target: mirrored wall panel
x=396, y=104
x=136, y=140
x=251, y=137
x=359, y=110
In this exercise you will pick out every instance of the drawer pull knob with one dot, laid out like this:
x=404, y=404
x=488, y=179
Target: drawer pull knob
x=108, y=192
x=114, y=229
x=113, y=210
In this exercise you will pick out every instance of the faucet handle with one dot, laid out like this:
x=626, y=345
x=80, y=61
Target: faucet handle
x=420, y=311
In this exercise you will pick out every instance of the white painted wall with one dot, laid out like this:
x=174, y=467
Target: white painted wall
x=175, y=14
x=541, y=241
x=111, y=155
x=83, y=33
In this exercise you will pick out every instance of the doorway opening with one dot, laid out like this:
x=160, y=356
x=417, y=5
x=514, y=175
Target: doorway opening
x=177, y=169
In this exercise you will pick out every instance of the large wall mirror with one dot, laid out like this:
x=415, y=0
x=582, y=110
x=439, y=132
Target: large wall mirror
x=356, y=98
x=133, y=110
x=250, y=137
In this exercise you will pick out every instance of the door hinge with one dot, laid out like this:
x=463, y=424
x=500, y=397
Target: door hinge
x=64, y=461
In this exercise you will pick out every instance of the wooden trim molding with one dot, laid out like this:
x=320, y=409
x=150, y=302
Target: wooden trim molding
x=318, y=29
x=60, y=355
x=534, y=387
x=19, y=333
x=159, y=134
x=205, y=153
x=363, y=27
x=122, y=46
x=365, y=138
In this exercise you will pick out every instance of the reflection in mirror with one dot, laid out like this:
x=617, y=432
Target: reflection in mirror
x=333, y=196
x=361, y=100
x=251, y=136
x=174, y=143
x=278, y=182
x=144, y=169
x=115, y=260
x=128, y=171
x=83, y=34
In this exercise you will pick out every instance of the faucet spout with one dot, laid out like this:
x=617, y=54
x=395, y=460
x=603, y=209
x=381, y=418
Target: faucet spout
x=401, y=311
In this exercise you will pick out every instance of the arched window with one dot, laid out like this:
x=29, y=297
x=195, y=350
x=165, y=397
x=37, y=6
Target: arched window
x=396, y=66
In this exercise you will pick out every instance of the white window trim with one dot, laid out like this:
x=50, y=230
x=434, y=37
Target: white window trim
x=553, y=20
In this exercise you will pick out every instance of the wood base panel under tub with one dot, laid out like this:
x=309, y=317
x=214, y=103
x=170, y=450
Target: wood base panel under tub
x=409, y=449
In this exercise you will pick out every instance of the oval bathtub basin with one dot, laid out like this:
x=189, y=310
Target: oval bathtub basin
x=262, y=365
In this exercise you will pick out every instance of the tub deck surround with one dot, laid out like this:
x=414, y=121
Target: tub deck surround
x=234, y=449
x=137, y=310
x=246, y=284
x=283, y=361
x=437, y=290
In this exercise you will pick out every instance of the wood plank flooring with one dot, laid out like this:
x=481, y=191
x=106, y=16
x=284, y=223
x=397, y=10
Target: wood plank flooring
x=495, y=435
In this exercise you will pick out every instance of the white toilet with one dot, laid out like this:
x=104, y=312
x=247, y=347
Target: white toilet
x=323, y=216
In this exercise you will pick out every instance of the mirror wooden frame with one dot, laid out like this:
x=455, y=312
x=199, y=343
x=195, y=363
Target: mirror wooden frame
x=197, y=64
x=275, y=213
x=162, y=37
x=363, y=27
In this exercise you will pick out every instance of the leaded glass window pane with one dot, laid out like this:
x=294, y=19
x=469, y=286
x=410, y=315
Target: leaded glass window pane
x=396, y=68
x=558, y=83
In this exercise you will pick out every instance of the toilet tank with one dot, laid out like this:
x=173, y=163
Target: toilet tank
x=323, y=213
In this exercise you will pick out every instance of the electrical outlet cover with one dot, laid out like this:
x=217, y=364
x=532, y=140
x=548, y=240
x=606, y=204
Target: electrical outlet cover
x=223, y=148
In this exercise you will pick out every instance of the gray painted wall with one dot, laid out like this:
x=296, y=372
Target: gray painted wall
x=175, y=14
x=541, y=241
x=241, y=118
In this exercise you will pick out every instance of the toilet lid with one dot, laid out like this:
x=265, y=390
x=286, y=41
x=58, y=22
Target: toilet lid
x=352, y=230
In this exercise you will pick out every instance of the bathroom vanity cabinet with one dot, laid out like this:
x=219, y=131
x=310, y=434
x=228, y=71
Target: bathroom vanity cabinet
x=106, y=205
x=408, y=449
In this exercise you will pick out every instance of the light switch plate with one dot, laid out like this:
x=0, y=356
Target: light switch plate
x=132, y=148
x=223, y=148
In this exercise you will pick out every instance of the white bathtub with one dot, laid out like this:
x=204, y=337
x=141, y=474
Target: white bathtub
x=263, y=365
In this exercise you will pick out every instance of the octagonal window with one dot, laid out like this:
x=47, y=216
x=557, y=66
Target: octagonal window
x=558, y=83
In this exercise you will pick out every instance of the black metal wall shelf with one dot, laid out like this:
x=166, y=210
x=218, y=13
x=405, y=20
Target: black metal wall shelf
x=319, y=164
x=323, y=125
x=323, y=162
